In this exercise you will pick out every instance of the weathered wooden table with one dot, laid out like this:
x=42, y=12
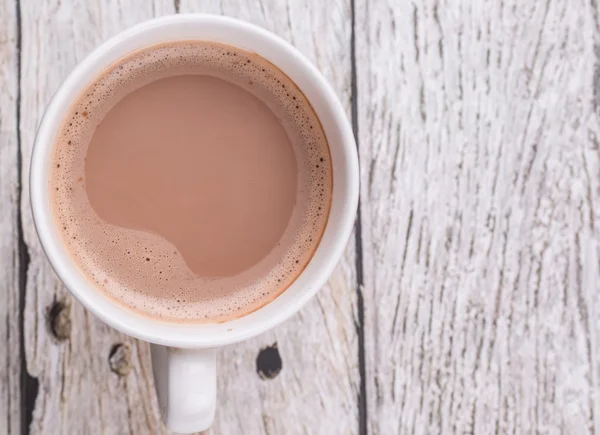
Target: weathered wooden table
x=469, y=298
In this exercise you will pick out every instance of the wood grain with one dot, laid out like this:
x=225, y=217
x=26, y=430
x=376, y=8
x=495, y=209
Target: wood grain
x=10, y=350
x=316, y=391
x=480, y=168
x=69, y=352
x=78, y=392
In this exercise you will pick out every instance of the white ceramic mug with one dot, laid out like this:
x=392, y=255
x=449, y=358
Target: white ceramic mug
x=184, y=355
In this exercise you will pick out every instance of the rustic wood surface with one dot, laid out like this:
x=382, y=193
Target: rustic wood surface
x=10, y=333
x=478, y=133
x=468, y=300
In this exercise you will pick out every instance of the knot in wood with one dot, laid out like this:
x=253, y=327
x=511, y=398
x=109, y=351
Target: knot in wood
x=268, y=362
x=119, y=359
x=59, y=320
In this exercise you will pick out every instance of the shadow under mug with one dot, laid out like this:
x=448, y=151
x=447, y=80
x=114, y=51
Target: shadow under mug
x=184, y=354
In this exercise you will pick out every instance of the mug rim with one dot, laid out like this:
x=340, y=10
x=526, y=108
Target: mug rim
x=188, y=334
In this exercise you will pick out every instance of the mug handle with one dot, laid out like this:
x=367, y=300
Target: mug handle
x=186, y=386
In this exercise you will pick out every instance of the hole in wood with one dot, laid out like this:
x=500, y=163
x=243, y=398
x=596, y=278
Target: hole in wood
x=59, y=320
x=268, y=362
x=119, y=359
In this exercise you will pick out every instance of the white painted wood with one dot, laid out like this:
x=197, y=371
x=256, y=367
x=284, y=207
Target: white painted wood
x=316, y=391
x=78, y=392
x=481, y=176
x=10, y=352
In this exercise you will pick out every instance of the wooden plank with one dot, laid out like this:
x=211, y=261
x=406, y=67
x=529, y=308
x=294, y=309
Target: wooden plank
x=71, y=353
x=10, y=347
x=316, y=390
x=67, y=349
x=480, y=168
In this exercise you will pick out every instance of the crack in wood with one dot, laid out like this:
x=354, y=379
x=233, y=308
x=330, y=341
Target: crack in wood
x=29, y=384
x=359, y=267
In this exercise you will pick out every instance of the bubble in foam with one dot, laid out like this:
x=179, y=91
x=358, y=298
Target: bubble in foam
x=98, y=247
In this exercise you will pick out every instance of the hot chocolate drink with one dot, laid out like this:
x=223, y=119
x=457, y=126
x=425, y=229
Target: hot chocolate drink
x=191, y=181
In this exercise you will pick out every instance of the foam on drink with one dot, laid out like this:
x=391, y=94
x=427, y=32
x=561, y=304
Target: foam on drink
x=191, y=181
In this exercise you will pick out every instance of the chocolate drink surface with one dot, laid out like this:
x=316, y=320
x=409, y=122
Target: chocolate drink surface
x=191, y=181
